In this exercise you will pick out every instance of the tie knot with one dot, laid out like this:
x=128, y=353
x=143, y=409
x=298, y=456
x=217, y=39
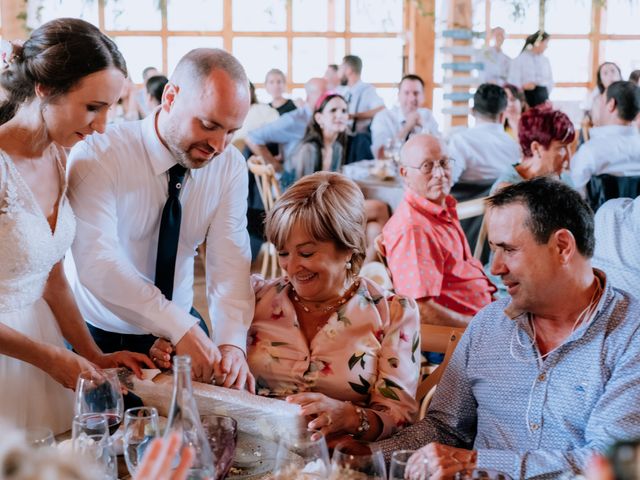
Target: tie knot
x=176, y=178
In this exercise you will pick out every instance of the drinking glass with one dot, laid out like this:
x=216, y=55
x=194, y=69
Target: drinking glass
x=357, y=460
x=303, y=458
x=477, y=474
x=141, y=426
x=398, y=468
x=90, y=437
x=40, y=437
x=99, y=391
x=222, y=433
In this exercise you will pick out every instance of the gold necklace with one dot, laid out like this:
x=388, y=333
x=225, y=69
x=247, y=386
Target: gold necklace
x=351, y=291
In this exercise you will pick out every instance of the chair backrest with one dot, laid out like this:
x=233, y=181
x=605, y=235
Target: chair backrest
x=438, y=339
x=471, y=209
x=605, y=187
x=269, y=190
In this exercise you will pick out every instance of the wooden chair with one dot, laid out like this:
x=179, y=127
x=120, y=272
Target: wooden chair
x=475, y=208
x=439, y=339
x=269, y=190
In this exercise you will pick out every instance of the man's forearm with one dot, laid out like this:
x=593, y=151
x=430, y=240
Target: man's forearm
x=264, y=152
x=433, y=314
x=367, y=114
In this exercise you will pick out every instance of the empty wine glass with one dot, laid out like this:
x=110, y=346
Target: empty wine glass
x=99, y=391
x=398, y=468
x=357, y=460
x=141, y=426
x=90, y=437
x=40, y=437
x=302, y=458
x=222, y=433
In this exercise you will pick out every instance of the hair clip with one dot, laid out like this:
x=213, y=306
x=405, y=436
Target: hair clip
x=9, y=52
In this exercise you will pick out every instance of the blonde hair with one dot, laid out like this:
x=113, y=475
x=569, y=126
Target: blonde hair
x=329, y=207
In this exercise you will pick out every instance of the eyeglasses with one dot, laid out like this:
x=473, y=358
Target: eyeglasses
x=427, y=167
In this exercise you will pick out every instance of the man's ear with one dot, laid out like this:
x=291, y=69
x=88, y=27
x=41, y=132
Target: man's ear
x=611, y=105
x=169, y=94
x=564, y=244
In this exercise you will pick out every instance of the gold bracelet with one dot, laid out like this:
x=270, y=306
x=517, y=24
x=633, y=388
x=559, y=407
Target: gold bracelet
x=364, y=425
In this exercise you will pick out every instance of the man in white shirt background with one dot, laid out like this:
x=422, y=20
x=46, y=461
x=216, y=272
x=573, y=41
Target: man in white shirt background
x=146, y=194
x=496, y=62
x=614, y=146
x=482, y=152
x=407, y=118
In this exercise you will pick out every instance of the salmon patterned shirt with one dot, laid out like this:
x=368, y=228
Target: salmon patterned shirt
x=367, y=353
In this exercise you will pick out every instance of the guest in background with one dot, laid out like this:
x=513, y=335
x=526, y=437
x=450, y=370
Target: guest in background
x=398, y=123
x=482, y=152
x=155, y=87
x=546, y=378
x=496, y=62
x=614, y=147
x=276, y=84
x=428, y=254
x=139, y=98
x=259, y=114
x=333, y=342
x=332, y=77
x=53, y=98
x=515, y=108
x=608, y=72
x=635, y=77
x=531, y=70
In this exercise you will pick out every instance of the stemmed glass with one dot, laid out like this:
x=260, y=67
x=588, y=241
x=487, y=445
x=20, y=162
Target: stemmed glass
x=99, y=391
x=222, y=433
x=90, y=436
x=303, y=458
x=398, y=468
x=40, y=437
x=141, y=426
x=357, y=460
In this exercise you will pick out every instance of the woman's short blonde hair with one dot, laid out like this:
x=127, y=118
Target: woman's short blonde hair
x=329, y=207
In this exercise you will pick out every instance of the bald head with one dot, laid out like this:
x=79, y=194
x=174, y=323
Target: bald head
x=420, y=148
x=199, y=63
x=315, y=88
x=425, y=168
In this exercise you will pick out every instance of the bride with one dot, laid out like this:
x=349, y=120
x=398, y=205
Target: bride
x=57, y=89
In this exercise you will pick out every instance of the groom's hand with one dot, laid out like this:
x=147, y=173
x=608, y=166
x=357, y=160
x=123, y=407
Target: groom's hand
x=235, y=369
x=205, y=356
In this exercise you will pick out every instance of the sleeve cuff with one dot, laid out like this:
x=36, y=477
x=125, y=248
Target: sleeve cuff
x=179, y=324
x=499, y=460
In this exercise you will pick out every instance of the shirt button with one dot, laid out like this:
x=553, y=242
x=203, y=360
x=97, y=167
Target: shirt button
x=542, y=377
x=535, y=426
x=178, y=185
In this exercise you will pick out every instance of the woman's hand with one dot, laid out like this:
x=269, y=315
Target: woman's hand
x=131, y=360
x=160, y=353
x=64, y=366
x=157, y=462
x=327, y=414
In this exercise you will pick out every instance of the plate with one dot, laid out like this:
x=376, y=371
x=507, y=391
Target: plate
x=253, y=458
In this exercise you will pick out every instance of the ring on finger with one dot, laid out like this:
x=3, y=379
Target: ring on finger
x=329, y=419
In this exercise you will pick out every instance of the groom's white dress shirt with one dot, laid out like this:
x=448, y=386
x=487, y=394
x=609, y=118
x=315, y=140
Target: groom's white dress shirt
x=118, y=188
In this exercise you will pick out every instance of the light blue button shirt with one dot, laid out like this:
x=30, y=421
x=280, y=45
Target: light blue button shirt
x=288, y=130
x=531, y=418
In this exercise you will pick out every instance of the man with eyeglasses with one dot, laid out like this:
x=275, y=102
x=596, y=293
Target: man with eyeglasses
x=427, y=251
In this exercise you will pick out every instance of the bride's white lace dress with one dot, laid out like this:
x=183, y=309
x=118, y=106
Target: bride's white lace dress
x=28, y=250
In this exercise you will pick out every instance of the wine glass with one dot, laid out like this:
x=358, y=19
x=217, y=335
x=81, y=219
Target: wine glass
x=305, y=457
x=99, y=391
x=398, y=468
x=478, y=474
x=40, y=437
x=141, y=426
x=222, y=433
x=357, y=460
x=90, y=437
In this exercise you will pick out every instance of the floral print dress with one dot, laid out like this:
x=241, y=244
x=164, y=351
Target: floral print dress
x=367, y=353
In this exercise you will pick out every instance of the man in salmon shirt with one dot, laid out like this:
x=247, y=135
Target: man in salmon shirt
x=427, y=251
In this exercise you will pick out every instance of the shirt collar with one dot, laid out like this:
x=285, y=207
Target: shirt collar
x=498, y=127
x=429, y=208
x=160, y=157
x=606, y=130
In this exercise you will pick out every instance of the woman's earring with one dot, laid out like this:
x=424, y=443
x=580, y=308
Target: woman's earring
x=348, y=265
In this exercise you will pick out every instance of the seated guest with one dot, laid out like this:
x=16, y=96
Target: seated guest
x=321, y=336
x=259, y=114
x=483, y=151
x=545, y=137
x=634, y=77
x=428, y=254
x=544, y=379
x=397, y=124
x=275, y=83
x=614, y=146
x=608, y=72
x=515, y=108
x=155, y=86
x=332, y=77
x=289, y=129
x=617, y=224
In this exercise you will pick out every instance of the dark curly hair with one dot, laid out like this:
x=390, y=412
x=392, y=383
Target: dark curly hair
x=57, y=56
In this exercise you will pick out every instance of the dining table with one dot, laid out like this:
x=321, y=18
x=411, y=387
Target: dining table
x=378, y=180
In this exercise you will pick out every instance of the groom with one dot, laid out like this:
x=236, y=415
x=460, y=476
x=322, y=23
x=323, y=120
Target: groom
x=146, y=194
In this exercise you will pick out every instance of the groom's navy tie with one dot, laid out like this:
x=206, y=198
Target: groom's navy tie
x=169, y=233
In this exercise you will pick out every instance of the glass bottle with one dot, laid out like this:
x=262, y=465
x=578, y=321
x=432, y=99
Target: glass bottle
x=184, y=418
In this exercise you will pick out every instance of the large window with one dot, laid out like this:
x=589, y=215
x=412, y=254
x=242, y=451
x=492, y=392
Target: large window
x=300, y=37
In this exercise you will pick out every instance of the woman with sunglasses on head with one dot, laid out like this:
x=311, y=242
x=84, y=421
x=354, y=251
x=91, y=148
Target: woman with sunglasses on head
x=58, y=88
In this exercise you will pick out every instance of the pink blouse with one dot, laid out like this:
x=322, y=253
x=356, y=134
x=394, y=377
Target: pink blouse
x=367, y=353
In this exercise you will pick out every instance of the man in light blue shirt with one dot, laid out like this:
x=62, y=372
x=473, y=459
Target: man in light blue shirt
x=614, y=147
x=289, y=129
x=542, y=380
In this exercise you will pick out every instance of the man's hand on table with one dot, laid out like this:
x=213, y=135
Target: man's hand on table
x=205, y=356
x=443, y=461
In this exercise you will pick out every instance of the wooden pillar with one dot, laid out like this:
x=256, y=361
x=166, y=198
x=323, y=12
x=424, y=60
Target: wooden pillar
x=13, y=28
x=422, y=38
x=459, y=17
